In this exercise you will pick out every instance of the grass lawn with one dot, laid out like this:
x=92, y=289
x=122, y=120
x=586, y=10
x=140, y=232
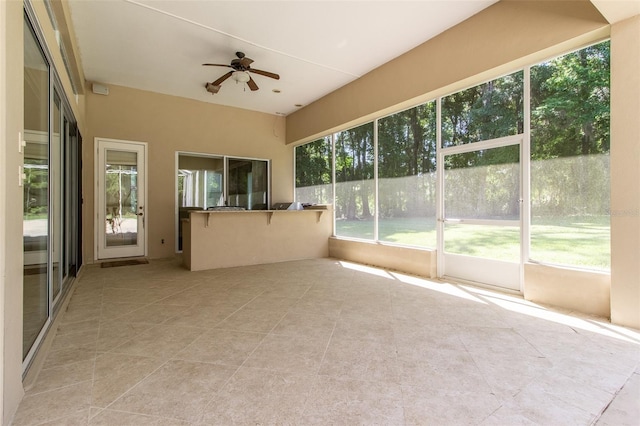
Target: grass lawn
x=573, y=241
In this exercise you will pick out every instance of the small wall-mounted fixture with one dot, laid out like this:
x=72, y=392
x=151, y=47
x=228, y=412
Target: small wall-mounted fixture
x=99, y=89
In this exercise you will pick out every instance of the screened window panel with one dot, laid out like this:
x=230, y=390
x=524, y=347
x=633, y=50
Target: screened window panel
x=487, y=111
x=570, y=174
x=407, y=177
x=354, y=198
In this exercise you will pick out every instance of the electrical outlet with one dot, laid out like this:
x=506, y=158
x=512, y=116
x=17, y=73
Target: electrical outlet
x=162, y=241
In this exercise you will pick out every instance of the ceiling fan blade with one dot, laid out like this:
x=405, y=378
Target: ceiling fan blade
x=252, y=85
x=216, y=65
x=219, y=81
x=265, y=73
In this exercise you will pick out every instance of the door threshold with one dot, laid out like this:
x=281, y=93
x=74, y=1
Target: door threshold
x=462, y=281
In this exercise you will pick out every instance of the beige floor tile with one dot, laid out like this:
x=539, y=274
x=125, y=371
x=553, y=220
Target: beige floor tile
x=348, y=402
x=508, y=375
x=53, y=405
x=62, y=376
x=508, y=416
x=116, y=310
x=366, y=360
x=414, y=340
x=136, y=295
x=228, y=298
x=111, y=418
x=86, y=339
x=424, y=406
x=87, y=297
x=296, y=323
x=78, y=327
x=155, y=314
x=287, y=288
x=297, y=354
x=114, y=333
x=364, y=327
x=179, y=390
x=79, y=418
x=121, y=418
x=259, y=321
x=267, y=301
x=222, y=346
x=161, y=341
x=331, y=343
x=202, y=315
x=571, y=392
x=448, y=371
x=115, y=374
x=254, y=396
x=68, y=356
x=78, y=313
x=368, y=308
x=315, y=304
x=546, y=409
x=625, y=409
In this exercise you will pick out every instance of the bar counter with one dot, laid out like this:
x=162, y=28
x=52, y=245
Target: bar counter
x=223, y=239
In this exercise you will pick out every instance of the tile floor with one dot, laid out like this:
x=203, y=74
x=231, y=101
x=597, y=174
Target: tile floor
x=323, y=342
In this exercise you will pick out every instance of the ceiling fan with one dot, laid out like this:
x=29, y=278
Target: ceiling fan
x=241, y=67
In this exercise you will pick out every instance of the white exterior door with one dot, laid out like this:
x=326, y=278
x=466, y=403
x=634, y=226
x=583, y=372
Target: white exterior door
x=120, y=198
x=481, y=216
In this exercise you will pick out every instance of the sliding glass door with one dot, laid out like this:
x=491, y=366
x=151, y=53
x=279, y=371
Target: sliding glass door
x=36, y=190
x=51, y=194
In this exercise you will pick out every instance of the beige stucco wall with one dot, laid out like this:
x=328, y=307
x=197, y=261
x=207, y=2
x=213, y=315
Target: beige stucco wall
x=415, y=261
x=501, y=38
x=11, y=111
x=169, y=124
x=625, y=172
x=581, y=291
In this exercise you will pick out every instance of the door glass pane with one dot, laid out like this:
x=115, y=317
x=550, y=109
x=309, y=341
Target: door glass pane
x=36, y=189
x=248, y=184
x=354, y=196
x=486, y=241
x=121, y=224
x=483, y=184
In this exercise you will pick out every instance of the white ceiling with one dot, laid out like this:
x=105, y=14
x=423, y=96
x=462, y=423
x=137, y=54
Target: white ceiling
x=315, y=46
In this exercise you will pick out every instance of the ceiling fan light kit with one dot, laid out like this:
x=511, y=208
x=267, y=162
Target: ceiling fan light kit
x=241, y=68
x=241, y=76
